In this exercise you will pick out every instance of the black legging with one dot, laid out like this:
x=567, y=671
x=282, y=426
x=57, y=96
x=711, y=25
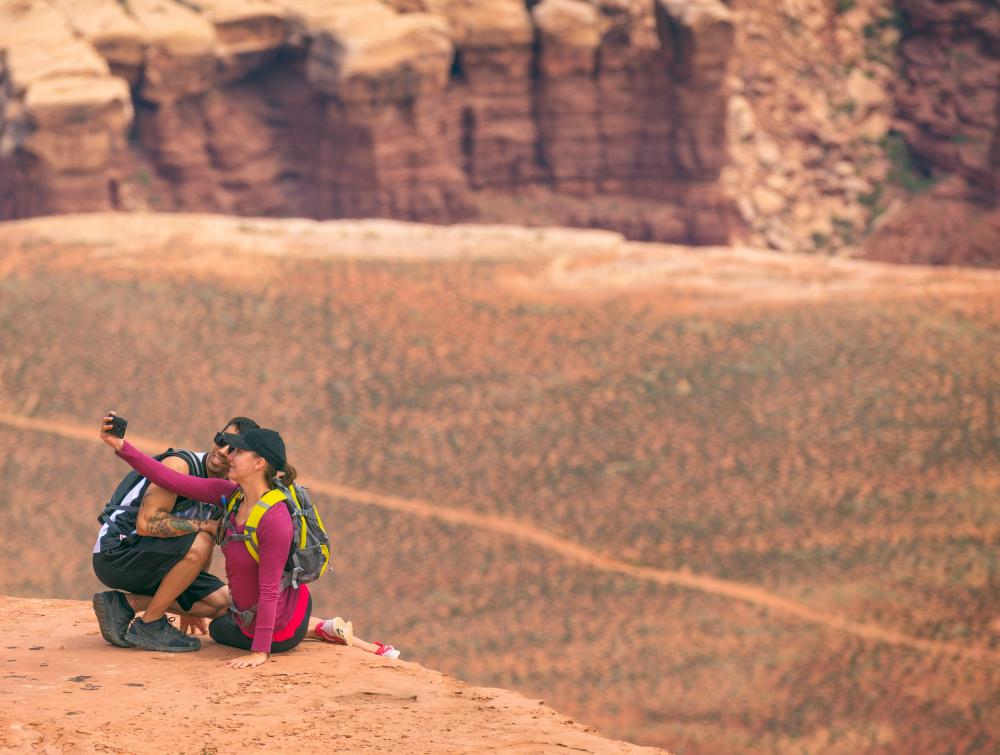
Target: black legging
x=224, y=631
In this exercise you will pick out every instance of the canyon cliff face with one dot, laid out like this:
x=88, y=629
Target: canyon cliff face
x=865, y=128
x=947, y=97
x=611, y=113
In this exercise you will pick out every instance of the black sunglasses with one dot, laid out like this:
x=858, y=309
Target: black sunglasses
x=220, y=440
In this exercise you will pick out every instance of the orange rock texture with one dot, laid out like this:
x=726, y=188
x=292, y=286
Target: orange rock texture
x=865, y=128
x=65, y=690
x=824, y=126
x=360, y=108
x=948, y=104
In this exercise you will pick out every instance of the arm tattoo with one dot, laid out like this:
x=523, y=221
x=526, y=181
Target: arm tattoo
x=163, y=524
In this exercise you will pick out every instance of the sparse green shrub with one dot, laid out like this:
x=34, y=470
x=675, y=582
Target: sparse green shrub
x=873, y=202
x=905, y=170
x=843, y=228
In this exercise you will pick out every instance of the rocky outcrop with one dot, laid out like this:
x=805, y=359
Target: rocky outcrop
x=494, y=135
x=809, y=110
x=948, y=112
x=56, y=659
x=948, y=94
x=64, y=116
x=865, y=127
x=414, y=109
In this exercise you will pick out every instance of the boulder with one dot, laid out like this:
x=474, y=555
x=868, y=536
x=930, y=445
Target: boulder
x=484, y=23
x=113, y=32
x=38, y=42
x=864, y=92
x=180, y=57
x=248, y=33
x=79, y=122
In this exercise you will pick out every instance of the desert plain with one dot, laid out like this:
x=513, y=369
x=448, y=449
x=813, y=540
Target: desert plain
x=719, y=500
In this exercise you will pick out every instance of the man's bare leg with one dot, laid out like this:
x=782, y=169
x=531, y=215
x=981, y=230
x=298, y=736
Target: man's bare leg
x=212, y=605
x=178, y=578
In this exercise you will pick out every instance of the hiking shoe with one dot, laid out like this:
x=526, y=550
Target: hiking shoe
x=161, y=635
x=344, y=630
x=335, y=630
x=113, y=617
x=387, y=650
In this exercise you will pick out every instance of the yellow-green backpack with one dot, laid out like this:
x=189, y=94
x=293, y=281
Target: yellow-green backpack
x=309, y=556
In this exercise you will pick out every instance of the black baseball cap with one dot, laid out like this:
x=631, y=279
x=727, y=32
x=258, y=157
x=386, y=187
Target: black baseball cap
x=263, y=442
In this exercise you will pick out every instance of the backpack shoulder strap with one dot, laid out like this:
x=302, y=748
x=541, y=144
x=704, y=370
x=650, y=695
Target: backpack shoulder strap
x=232, y=504
x=260, y=508
x=272, y=496
x=195, y=462
x=132, y=487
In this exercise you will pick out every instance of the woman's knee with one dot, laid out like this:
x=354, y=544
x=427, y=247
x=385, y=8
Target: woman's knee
x=225, y=632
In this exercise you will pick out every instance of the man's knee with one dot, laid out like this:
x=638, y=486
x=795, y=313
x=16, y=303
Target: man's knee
x=213, y=605
x=201, y=548
x=218, y=600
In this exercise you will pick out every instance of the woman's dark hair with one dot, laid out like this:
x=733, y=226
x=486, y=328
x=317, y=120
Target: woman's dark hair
x=242, y=424
x=286, y=478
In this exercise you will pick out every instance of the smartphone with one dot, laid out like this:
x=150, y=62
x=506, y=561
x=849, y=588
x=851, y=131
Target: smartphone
x=118, y=425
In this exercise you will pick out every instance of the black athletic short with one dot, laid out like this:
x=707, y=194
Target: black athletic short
x=224, y=631
x=139, y=568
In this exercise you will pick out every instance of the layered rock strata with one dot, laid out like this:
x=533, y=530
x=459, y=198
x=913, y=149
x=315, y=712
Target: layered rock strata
x=866, y=128
x=64, y=117
x=948, y=96
x=414, y=109
x=948, y=111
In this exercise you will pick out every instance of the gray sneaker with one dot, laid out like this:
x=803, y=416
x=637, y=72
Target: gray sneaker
x=161, y=635
x=113, y=616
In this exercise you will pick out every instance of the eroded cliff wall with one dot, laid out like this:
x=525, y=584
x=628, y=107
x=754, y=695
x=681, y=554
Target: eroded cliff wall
x=613, y=111
x=947, y=97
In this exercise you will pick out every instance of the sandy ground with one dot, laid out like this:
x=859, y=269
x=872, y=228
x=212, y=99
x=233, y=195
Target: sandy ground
x=63, y=689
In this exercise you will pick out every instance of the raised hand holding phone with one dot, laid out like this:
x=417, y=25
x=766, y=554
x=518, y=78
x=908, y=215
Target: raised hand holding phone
x=113, y=430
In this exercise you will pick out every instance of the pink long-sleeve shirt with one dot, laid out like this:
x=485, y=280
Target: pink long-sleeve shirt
x=278, y=611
